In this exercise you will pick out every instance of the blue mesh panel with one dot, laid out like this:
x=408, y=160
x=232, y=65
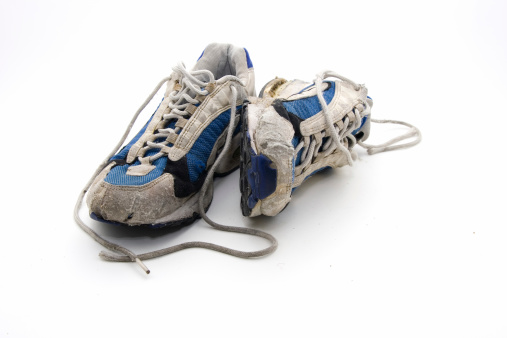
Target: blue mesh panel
x=201, y=55
x=198, y=155
x=248, y=61
x=309, y=106
x=118, y=175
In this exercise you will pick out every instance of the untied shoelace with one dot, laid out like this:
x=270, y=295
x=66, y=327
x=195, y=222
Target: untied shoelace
x=189, y=82
x=346, y=132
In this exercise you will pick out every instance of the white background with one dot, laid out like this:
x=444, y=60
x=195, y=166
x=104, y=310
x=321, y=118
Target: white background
x=403, y=244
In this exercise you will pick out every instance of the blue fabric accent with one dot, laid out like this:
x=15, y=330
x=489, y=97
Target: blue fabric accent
x=201, y=55
x=198, y=155
x=118, y=175
x=248, y=61
x=261, y=177
x=171, y=125
x=251, y=202
x=295, y=141
x=238, y=128
x=309, y=106
x=363, y=121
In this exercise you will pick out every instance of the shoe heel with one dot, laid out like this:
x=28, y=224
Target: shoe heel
x=267, y=173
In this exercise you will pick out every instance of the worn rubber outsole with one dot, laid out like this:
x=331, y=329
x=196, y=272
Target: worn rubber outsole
x=173, y=224
x=245, y=164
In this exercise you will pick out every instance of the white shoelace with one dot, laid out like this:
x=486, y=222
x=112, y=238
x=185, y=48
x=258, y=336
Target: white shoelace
x=189, y=87
x=342, y=132
x=189, y=84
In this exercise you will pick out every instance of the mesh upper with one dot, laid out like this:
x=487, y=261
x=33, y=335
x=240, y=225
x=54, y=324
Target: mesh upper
x=198, y=155
x=309, y=106
x=220, y=59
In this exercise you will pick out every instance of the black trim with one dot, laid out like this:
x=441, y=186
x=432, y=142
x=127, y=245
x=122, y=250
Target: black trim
x=118, y=162
x=244, y=165
x=293, y=119
x=359, y=135
x=183, y=187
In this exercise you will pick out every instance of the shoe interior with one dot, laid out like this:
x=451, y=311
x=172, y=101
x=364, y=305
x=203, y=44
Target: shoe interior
x=225, y=59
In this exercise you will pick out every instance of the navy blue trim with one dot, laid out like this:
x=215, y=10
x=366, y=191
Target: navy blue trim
x=261, y=177
x=248, y=60
x=201, y=55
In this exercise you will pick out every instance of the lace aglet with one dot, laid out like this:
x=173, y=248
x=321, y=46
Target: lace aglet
x=144, y=267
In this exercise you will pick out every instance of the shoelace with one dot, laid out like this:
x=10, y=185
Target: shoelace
x=344, y=128
x=189, y=81
x=179, y=100
x=313, y=146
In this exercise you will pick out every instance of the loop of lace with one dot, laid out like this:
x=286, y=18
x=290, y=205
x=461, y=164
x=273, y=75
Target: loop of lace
x=390, y=145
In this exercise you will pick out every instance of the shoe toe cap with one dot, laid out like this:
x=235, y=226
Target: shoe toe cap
x=133, y=205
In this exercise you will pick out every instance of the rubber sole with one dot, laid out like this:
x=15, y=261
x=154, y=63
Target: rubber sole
x=245, y=164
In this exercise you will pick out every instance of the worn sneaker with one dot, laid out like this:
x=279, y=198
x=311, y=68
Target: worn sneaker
x=297, y=129
x=162, y=176
x=156, y=178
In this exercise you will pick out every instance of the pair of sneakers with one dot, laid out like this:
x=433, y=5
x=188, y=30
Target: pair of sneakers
x=209, y=123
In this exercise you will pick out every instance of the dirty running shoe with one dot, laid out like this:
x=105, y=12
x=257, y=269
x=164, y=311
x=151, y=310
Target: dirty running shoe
x=296, y=129
x=161, y=177
x=155, y=179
